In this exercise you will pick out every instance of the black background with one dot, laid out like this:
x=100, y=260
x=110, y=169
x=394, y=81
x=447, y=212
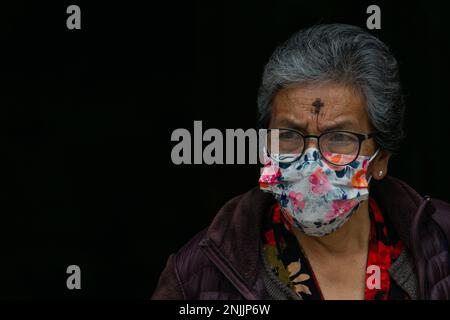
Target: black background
x=87, y=115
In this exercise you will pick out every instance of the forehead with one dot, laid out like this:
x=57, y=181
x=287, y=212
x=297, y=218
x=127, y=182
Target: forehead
x=318, y=108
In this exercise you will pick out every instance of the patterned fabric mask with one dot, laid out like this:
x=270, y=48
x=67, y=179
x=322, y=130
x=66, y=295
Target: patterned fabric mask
x=316, y=196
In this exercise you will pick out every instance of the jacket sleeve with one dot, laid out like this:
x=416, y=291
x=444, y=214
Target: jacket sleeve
x=169, y=286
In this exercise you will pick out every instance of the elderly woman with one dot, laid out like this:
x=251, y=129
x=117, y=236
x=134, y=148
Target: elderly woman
x=326, y=221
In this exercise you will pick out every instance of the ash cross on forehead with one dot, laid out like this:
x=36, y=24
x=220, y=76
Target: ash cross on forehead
x=317, y=104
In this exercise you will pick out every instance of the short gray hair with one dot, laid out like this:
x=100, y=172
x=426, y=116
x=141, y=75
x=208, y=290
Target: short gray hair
x=344, y=54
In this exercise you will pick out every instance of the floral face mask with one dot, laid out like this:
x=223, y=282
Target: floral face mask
x=316, y=196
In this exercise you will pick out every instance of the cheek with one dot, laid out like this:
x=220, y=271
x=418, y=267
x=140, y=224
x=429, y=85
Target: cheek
x=368, y=147
x=369, y=172
x=371, y=169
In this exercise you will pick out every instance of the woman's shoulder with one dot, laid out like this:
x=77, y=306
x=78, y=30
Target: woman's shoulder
x=440, y=213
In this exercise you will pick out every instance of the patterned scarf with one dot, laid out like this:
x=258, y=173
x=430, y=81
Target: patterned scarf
x=289, y=263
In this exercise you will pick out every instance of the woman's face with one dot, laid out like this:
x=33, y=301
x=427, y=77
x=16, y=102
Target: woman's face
x=319, y=109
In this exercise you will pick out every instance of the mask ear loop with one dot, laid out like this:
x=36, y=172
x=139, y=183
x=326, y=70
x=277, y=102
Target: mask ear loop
x=370, y=160
x=273, y=168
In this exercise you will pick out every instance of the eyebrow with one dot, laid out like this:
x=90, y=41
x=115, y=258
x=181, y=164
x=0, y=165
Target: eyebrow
x=344, y=124
x=288, y=123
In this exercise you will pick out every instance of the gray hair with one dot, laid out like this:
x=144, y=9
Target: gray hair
x=344, y=54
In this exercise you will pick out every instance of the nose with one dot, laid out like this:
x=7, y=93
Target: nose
x=311, y=142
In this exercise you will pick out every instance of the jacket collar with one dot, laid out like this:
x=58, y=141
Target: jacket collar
x=399, y=203
x=235, y=235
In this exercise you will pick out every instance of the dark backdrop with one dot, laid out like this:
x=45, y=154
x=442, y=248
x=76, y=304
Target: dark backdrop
x=86, y=119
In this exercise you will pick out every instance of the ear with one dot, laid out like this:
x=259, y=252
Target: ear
x=379, y=165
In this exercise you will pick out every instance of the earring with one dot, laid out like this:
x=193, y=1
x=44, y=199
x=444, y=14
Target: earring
x=380, y=173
